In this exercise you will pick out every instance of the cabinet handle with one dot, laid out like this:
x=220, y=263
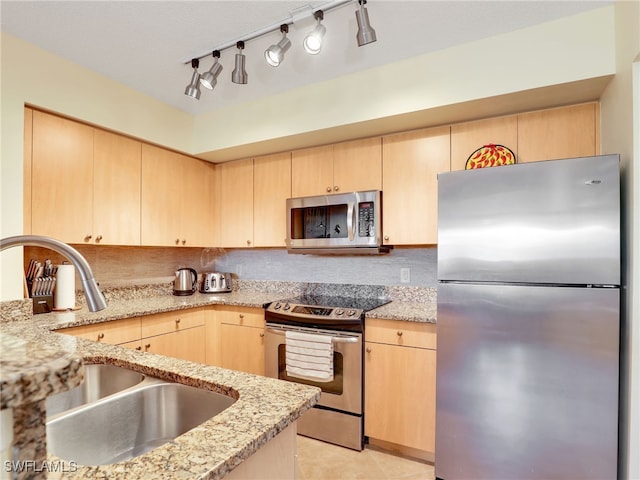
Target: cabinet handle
x=88, y=237
x=336, y=188
x=368, y=349
x=261, y=334
x=184, y=241
x=147, y=347
x=248, y=242
x=399, y=333
x=100, y=336
x=242, y=316
x=98, y=238
x=139, y=347
x=328, y=189
x=177, y=321
x=386, y=237
x=177, y=241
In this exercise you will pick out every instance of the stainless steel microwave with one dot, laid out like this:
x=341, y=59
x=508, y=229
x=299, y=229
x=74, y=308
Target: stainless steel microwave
x=345, y=223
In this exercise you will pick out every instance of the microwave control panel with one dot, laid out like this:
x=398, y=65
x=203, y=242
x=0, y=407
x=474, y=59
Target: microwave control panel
x=366, y=219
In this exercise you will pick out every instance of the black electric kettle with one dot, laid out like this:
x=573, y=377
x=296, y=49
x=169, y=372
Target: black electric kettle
x=185, y=281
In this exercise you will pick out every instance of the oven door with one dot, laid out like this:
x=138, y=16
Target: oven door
x=344, y=392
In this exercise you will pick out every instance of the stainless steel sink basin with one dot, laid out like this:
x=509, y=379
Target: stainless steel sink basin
x=132, y=422
x=99, y=381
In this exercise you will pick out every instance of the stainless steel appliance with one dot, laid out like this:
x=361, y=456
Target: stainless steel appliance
x=528, y=321
x=215, y=282
x=338, y=416
x=349, y=223
x=185, y=281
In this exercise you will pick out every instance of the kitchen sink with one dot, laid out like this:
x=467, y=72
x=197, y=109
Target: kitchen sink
x=99, y=381
x=132, y=422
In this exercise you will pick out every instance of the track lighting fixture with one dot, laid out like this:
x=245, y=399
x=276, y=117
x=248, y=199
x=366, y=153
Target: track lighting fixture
x=239, y=74
x=275, y=53
x=193, y=89
x=366, y=34
x=209, y=79
x=313, y=41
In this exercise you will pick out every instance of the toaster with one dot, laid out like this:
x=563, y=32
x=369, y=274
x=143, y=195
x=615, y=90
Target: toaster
x=215, y=282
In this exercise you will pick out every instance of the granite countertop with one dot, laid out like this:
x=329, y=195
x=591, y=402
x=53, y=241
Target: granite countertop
x=37, y=362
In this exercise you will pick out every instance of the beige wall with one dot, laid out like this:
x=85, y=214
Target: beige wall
x=620, y=133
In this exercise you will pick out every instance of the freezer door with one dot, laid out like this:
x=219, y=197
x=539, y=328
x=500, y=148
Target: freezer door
x=545, y=222
x=527, y=383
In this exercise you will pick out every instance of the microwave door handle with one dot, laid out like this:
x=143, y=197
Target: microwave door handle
x=350, y=221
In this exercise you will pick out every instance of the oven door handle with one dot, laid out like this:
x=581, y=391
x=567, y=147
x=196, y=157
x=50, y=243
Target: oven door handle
x=334, y=339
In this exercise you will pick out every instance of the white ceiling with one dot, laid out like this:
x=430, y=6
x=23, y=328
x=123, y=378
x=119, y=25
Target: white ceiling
x=145, y=44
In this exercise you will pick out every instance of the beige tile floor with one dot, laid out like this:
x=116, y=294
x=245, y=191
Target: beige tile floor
x=323, y=461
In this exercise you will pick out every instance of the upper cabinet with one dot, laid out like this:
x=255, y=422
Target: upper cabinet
x=176, y=199
x=343, y=167
x=558, y=133
x=271, y=188
x=410, y=167
x=236, y=203
x=466, y=138
x=116, y=189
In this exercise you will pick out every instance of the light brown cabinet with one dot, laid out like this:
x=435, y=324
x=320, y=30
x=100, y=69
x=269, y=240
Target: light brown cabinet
x=62, y=179
x=176, y=199
x=241, y=338
x=557, y=133
x=187, y=344
x=89, y=177
x=400, y=389
x=235, y=181
x=340, y=168
x=115, y=332
x=466, y=138
x=411, y=162
x=271, y=188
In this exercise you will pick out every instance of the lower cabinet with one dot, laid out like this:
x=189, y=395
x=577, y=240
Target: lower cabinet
x=400, y=374
x=187, y=344
x=241, y=332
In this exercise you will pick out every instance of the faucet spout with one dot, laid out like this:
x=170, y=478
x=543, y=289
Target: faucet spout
x=95, y=298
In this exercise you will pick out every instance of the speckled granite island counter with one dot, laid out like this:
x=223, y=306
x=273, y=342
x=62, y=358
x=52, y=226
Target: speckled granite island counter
x=48, y=363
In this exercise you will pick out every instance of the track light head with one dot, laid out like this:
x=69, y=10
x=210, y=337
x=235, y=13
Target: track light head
x=366, y=34
x=275, y=53
x=193, y=89
x=239, y=74
x=313, y=41
x=210, y=78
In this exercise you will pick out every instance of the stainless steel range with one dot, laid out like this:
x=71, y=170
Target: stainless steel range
x=318, y=340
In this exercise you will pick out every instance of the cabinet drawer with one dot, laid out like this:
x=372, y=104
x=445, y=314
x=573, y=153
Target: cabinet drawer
x=244, y=316
x=113, y=332
x=394, y=332
x=168, y=322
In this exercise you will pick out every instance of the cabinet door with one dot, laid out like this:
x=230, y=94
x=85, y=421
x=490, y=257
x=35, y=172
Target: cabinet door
x=400, y=397
x=113, y=333
x=62, y=178
x=410, y=166
x=357, y=165
x=466, y=138
x=236, y=198
x=26, y=181
x=243, y=348
x=558, y=133
x=116, y=189
x=161, y=199
x=169, y=322
x=184, y=344
x=271, y=188
x=312, y=171
x=197, y=214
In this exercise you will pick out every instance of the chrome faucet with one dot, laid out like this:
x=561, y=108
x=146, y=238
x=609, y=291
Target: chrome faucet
x=95, y=298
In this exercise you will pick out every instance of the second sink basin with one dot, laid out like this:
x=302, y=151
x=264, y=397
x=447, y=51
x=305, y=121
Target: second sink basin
x=132, y=422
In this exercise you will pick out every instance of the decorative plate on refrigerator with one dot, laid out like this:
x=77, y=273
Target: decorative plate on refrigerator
x=490, y=156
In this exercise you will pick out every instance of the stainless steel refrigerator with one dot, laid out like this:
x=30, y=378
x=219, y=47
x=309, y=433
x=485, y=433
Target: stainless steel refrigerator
x=528, y=321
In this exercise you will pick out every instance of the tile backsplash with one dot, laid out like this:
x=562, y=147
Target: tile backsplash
x=115, y=266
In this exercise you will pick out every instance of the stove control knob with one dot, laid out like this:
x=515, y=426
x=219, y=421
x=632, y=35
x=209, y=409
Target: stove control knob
x=339, y=311
x=277, y=306
x=287, y=306
x=351, y=313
